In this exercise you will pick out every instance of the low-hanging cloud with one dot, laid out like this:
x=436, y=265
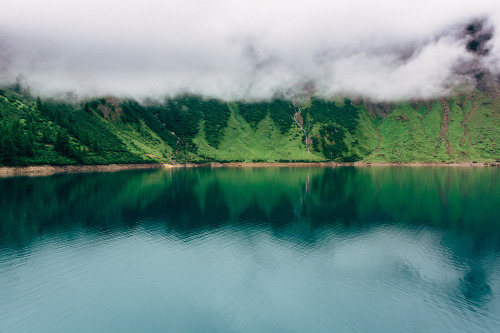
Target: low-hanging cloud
x=383, y=50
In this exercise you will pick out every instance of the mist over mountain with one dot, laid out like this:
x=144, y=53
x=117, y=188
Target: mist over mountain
x=385, y=50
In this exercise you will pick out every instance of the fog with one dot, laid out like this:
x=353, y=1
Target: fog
x=384, y=50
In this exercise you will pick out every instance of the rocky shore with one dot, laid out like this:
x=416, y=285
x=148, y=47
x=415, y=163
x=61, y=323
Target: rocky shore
x=46, y=170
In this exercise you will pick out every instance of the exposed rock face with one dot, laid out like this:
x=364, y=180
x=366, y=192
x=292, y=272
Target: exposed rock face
x=488, y=83
x=380, y=109
x=110, y=108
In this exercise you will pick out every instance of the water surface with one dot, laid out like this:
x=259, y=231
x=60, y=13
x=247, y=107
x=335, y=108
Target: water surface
x=252, y=250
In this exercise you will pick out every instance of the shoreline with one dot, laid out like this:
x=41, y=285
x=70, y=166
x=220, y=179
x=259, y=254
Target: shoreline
x=47, y=170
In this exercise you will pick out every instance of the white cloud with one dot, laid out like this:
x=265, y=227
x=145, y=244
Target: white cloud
x=384, y=49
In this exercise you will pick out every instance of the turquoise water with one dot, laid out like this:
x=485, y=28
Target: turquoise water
x=252, y=250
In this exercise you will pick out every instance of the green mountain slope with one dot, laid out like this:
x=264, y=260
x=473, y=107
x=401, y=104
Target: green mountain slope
x=190, y=128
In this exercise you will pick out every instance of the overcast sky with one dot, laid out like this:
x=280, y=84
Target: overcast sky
x=385, y=49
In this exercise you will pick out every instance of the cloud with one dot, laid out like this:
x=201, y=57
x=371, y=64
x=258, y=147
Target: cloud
x=384, y=50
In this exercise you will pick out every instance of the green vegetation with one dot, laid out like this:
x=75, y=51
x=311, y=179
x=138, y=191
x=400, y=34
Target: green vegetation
x=415, y=133
x=190, y=128
x=253, y=113
x=265, y=143
x=281, y=113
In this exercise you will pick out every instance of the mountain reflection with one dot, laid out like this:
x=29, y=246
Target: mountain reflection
x=420, y=246
x=187, y=201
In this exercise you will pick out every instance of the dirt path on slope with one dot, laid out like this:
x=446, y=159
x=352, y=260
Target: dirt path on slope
x=444, y=128
x=466, y=119
x=379, y=139
x=171, y=158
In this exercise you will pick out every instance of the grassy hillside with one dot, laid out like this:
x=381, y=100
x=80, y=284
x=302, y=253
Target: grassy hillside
x=460, y=129
x=190, y=128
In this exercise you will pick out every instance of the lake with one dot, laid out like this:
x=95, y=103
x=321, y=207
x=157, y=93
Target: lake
x=378, y=249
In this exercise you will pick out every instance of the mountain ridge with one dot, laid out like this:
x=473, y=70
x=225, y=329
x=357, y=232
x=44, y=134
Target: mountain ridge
x=194, y=129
